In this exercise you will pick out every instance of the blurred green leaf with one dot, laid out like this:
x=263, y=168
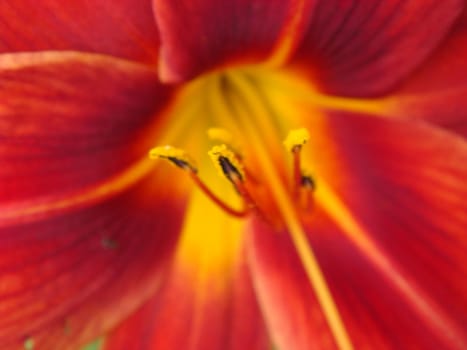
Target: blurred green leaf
x=95, y=345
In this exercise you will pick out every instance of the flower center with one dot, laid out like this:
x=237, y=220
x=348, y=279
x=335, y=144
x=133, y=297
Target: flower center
x=237, y=129
x=247, y=120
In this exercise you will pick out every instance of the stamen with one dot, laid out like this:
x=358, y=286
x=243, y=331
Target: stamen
x=224, y=206
x=297, y=170
x=296, y=139
x=230, y=166
x=227, y=163
x=308, y=182
x=294, y=143
x=221, y=135
x=226, y=138
x=182, y=160
x=308, y=187
x=176, y=156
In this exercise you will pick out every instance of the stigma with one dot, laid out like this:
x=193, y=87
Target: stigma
x=229, y=164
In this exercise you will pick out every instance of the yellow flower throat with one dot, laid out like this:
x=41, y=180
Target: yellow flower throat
x=246, y=114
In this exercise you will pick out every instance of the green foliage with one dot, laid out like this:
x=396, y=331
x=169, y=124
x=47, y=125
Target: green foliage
x=95, y=345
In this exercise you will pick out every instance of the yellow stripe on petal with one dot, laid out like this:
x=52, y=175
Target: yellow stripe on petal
x=40, y=207
x=165, y=131
x=290, y=85
x=291, y=34
x=414, y=296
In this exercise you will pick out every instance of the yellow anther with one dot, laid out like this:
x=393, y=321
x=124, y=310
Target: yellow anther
x=296, y=139
x=224, y=137
x=221, y=135
x=227, y=162
x=176, y=156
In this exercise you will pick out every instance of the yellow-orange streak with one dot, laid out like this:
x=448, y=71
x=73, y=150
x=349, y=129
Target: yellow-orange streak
x=414, y=296
x=291, y=85
x=288, y=38
x=368, y=106
x=166, y=130
x=21, y=60
x=298, y=236
x=111, y=187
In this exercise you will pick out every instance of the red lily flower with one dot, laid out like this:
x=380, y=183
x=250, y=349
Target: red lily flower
x=367, y=251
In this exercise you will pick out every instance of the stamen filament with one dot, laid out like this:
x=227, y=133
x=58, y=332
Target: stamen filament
x=297, y=171
x=294, y=143
x=224, y=206
x=307, y=191
x=182, y=160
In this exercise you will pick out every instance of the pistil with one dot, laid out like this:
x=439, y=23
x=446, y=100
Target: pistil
x=249, y=104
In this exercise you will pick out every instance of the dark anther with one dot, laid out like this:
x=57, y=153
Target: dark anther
x=308, y=182
x=181, y=163
x=229, y=169
x=178, y=162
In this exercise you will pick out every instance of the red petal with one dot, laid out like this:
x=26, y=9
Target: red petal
x=200, y=35
x=376, y=306
x=121, y=28
x=67, y=279
x=437, y=91
x=179, y=318
x=73, y=265
x=69, y=121
x=291, y=310
x=395, y=254
x=208, y=301
x=362, y=48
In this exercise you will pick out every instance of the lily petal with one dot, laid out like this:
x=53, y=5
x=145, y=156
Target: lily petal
x=123, y=28
x=213, y=34
x=352, y=45
x=393, y=247
x=208, y=301
x=388, y=230
x=437, y=91
x=85, y=227
x=69, y=121
x=291, y=309
x=392, y=297
x=68, y=278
